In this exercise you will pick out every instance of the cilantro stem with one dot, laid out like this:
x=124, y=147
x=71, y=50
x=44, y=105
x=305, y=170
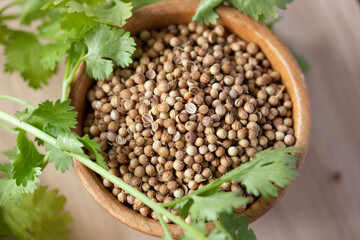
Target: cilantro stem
x=98, y=169
x=67, y=68
x=10, y=16
x=8, y=6
x=28, y=128
x=17, y=100
x=69, y=79
x=164, y=226
x=9, y=129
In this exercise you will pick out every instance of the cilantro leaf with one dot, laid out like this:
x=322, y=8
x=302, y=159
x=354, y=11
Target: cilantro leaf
x=49, y=117
x=198, y=225
x=114, y=13
x=5, y=170
x=40, y=216
x=67, y=141
x=268, y=167
x=136, y=4
x=76, y=24
x=11, y=154
x=94, y=148
x=8, y=188
x=205, y=12
x=31, y=10
x=59, y=115
x=4, y=33
x=62, y=160
x=28, y=160
x=104, y=42
x=237, y=227
x=23, y=53
x=256, y=8
x=183, y=207
x=53, y=54
x=219, y=202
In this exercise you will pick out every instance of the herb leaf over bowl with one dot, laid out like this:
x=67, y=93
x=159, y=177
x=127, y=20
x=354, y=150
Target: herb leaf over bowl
x=40, y=216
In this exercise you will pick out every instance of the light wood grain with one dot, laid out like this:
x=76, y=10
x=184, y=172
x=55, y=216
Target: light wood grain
x=316, y=207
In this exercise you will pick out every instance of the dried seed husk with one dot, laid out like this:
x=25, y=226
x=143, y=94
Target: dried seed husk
x=190, y=108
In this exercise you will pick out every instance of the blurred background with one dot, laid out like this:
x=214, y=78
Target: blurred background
x=324, y=202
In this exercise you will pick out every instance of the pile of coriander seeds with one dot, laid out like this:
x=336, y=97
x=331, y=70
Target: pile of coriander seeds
x=196, y=103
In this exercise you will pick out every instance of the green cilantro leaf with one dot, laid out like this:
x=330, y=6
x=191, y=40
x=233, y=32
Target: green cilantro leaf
x=104, y=42
x=62, y=160
x=219, y=202
x=50, y=27
x=268, y=167
x=74, y=6
x=11, y=154
x=76, y=24
x=205, y=12
x=75, y=51
x=59, y=115
x=5, y=170
x=219, y=233
x=136, y=4
x=9, y=190
x=67, y=141
x=4, y=33
x=237, y=227
x=49, y=117
x=198, y=225
x=53, y=54
x=28, y=160
x=184, y=207
x=114, y=13
x=23, y=54
x=255, y=8
x=94, y=148
x=40, y=216
x=31, y=10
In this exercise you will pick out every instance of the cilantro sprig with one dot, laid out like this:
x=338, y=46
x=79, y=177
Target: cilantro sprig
x=73, y=31
x=255, y=8
x=40, y=216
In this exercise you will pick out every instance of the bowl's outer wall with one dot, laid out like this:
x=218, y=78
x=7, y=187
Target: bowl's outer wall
x=181, y=12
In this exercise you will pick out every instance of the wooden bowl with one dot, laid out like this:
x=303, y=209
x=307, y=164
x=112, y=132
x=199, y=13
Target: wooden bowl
x=180, y=12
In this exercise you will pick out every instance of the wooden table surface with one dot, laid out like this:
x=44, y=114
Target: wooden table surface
x=317, y=206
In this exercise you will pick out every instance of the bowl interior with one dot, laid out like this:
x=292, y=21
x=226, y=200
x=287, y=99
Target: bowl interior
x=181, y=12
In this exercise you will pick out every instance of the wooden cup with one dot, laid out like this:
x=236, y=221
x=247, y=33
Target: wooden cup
x=180, y=12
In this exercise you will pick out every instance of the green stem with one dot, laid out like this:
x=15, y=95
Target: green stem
x=112, y=178
x=69, y=79
x=10, y=16
x=14, y=99
x=28, y=128
x=67, y=68
x=8, y=6
x=168, y=235
x=9, y=129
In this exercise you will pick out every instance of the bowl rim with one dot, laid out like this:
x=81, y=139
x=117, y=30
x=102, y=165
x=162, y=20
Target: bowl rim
x=280, y=59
